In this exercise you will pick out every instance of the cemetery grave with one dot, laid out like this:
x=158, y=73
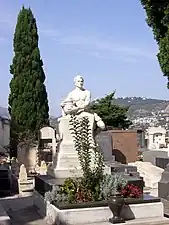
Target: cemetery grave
x=63, y=192
x=60, y=195
x=73, y=175
x=66, y=194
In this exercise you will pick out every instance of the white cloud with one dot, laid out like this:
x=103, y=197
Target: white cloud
x=98, y=46
x=129, y=59
x=7, y=20
x=96, y=54
x=52, y=33
x=94, y=42
x=2, y=39
x=91, y=53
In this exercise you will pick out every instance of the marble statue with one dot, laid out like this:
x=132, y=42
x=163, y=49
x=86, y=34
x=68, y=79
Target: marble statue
x=77, y=100
x=76, y=103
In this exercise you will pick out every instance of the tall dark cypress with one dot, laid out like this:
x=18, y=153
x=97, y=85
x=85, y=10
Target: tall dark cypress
x=28, y=102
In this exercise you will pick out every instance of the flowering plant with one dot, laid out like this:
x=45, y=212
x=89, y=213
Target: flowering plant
x=140, y=156
x=131, y=191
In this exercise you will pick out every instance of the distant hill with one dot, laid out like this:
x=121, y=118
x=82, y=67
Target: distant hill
x=139, y=107
x=5, y=114
x=53, y=122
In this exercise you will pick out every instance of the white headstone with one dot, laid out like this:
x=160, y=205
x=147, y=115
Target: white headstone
x=43, y=168
x=48, y=133
x=22, y=174
x=37, y=168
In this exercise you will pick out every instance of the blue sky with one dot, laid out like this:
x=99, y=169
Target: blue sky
x=107, y=42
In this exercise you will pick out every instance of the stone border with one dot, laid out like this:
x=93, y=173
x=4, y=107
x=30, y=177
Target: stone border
x=17, y=202
x=96, y=214
x=128, y=201
x=4, y=218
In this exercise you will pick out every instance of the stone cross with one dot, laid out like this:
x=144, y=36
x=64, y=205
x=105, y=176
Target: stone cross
x=43, y=168
x=22, y=174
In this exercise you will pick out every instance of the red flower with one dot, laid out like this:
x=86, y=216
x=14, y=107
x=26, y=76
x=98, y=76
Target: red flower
x=131, y=191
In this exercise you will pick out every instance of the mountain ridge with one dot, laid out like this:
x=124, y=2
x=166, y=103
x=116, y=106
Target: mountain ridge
x=142, y=107
x=138, y=106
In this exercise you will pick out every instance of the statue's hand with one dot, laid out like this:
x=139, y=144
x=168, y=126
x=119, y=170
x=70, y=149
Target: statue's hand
x=76, y=110
x=101, y=125
x=72, y=110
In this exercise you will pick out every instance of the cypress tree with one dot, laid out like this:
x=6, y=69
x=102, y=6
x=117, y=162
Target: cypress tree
x=28, y=103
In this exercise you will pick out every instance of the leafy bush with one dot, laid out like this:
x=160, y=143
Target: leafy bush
x=56, y=195
x=75, y=191
x=90, y=156
x=93, y=185
x=110, y=185
x=72, y=191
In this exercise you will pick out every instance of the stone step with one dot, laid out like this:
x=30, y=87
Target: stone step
x=73, y=155
x=71, y=158
x=147, y=221
x=150, y=173
x=66, y=148
x=64, y=173
x=146, y=190
x=68, y=159
x=69, y=164
x=26, y=188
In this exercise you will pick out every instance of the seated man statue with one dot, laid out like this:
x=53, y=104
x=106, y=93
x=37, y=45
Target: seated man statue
x=77, y=102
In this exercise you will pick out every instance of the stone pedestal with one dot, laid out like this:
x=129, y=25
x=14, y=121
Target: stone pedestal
x=65, y=162
x=163, y=184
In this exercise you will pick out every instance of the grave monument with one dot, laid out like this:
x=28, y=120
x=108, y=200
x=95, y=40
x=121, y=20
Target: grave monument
x=65, y=161
x=66, y=164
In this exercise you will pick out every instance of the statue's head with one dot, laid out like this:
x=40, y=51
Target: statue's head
x=79, y=81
